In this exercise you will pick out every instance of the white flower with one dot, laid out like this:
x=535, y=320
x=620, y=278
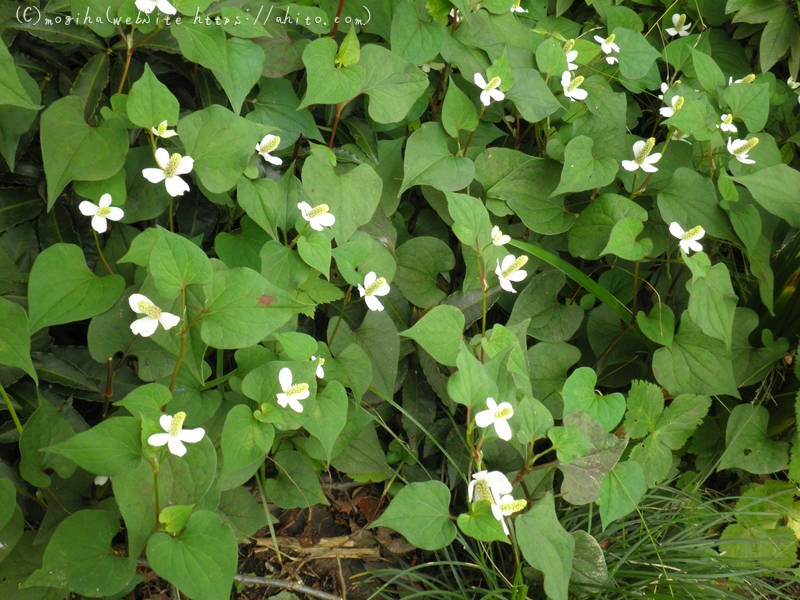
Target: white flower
x=570, y=54
x=749, y=78
x=679, y=26
x=510, y=270
x=676, y=103
x=101, y=212
x=456, y=16
x=688, y=239
x=161, y=131
x=318, y=217
x=497, y=415
x=572, y=89
x=490, y=90
x=664, y=87
x=175, y=434
x=642, y=159
x=498, y=237
x=153, y=315
x=739, y=149
x=292, y=393
x=726, y=123
x=373, y=286
x=488, y=486
x=320, y=372
x=679, y=136
x=101, y=480
x=507, y=505
x=170, y=166
x=793, y=85
x=269, y=143
x=516, y=8
x=608, y=47
x=147, y=6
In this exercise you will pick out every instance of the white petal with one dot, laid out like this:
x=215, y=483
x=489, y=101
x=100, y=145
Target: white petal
x=135, y=299
x=497, y=95
x=168, y=320
x=479, y=80
x=105, y=200
x=285, y=378
x=158, y=439
x=666, y=111
x=373, y=303
x=320, y=373
x=484, y=418
x=671, y=31
x=486, y=98
x=165, y=421
x=369, y=279
x=506, y=285
x=326, y=219
x=162, y=158
x=146, y=6
x=295, y=405
x=638, y=147
x=676, y=230
x=185, y=165
x=315, y=224
x=675, y=19
x=153, y=175
x=361, y=290
x=99, y=224
x=165, y=7
x=176, y=446
x=88, y=209
x=144, y=327
x=503, y=429
x=176, y=186
x=599, y=39
x=304, y=208
x=300, y=395
x=471, y=489
x=579, y=94
x=630, y=165
x=694, y=245
x=115, y=213
x=499, y=484
x=192, y=436
x=508, y=260
x=382, y=290
x=491, y=404
x=273, y=160
x=517, y=275
x=648, y=167
x=283, y=400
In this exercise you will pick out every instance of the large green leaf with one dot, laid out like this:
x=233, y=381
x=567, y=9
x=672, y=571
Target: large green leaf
x=414, y=36
x=297, y=483
x=62, y=289
x=420, y=512
x=547, y=546
x=72, y=149
x=439, y=333
x=773, y=188
x=109, y=448
x=621, y=491
x=201, y=561
x=585, y=166
x=605, y=220
x=245, y=444
x=392, y=84
x=12, y=91
x=242, y=309
x=79, y=557
x=15, y=338
x=235, y=62
x=221, y=145
x=150, y=102
x=580, y=395
x=712, y=303
x=747, y=445
x=419, y=262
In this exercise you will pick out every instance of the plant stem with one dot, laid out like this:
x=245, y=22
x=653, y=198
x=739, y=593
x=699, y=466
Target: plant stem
x=472, y=133
x=100, y=252
x=339, y=108
x=341, y=315
x=170, y=208
x=11, y=409
x=156, y=495
x=181, y=343
x=337, y=19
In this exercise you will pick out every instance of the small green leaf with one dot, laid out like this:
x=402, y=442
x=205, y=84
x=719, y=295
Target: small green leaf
x=709, y=74
x=327, y=84
x=479, y=523
x=471, y=223
x=439, y=333
x=585, y=167
x=636, y=56
x=712, y=303
x=750, y=103
x=580, y=395
x=658, y=325
x=421, y=513
x=458, y=112
x=201, y=561
x=174, y=518
x=245, y=444
x=297, y=483
x=62, y=289
x=150, y=102
x=328, y=417
x=349, y=51
x=419, y=262
x=645, y=404
x=15, y=338
x=315, y=250
x=621, y=491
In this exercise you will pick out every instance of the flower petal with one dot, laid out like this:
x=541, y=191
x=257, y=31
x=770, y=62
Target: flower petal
x=503, y=429
x=165, y=421
x=176, y=186
x=479, y=80
x=135, y=299
x=99, y=224
x=176, y=447
x=295, y=405
x=283, y=399
x=192, y=436
x=630, y=165
x=373, y=303
x=115, y=213
x=153, y=175
x=285, y=378
x=144, y=327
x=369, y=279
x=326, y=219
x=185, y=165
x=168, y=320
x=676, y=230
x=158, y=439
x=105, y=200
x=484, y=418
x=162, y=158
x=88, y=209
x=506, y=285
x=273, y=160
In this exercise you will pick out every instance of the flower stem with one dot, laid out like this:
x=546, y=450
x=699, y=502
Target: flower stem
x=170, y=208
x=11, y=409
x=341, y=315
x=472, y=133
x=156, y=496
x=338, y=116
x=100, y=253
x=337, y=19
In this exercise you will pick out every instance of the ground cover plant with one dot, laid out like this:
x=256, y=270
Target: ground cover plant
x=525, y=271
